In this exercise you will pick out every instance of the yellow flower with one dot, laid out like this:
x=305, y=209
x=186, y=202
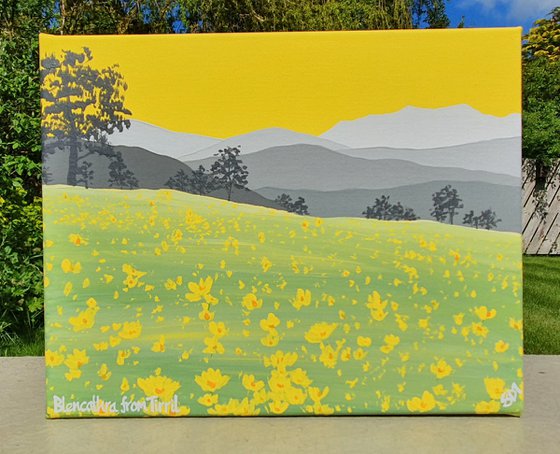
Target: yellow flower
x=218, y=329
x=213, y=345
x=501, y=346
x=205, y=314
x=329, y=356
x=53, y=359
x=73, y=374
x=251, y=302
x=77, y=359
x=479, y=329
x=77, y=239
x=84, y=320
x=201, y=291
x=364, y=341
x=316, y=394
x=270, y=323
x=375, y=303
x=495, y=387
x=251, y=384
x=299, y=377
x=485, y=408
x=266, y=264
x=211, y=380
x=208, y=400
x=278, y=406
x=392, y=340
x=441, y=369
x=159, y=345
x=516, y=324
x=426, y=403
x=295, y=396
x=458, y=318
x=124, y=385
x=271, y=340
x=483, y=313
x=164, y=388
x=281, y=360
x=103, y=372
x=303, y=298
x=320, y=332
x=69, y=267
x=121, y=356
x=67, y=288
x=278, y=382
x=131, y=330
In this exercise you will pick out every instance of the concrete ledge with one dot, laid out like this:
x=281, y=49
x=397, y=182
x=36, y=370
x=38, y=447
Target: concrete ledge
x=23, y=427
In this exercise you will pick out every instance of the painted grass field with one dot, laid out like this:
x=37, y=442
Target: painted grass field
x=166, y=303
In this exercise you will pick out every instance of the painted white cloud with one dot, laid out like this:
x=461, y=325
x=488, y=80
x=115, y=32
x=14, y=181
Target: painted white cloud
x=519, y=10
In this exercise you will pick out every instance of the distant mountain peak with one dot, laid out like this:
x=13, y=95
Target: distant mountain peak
x=263, y=139
x=160, y=140
x=419, y=128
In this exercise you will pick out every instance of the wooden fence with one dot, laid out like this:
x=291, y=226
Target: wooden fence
x=541, y=209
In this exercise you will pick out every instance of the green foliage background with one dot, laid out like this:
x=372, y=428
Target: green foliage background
x=21, y=295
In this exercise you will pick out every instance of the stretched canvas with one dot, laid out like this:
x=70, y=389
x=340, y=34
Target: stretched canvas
x=283, y=224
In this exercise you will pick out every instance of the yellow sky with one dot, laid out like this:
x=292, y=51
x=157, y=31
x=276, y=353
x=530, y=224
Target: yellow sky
x=223, y=85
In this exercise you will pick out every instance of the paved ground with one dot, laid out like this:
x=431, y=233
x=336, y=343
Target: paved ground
x=23, y=427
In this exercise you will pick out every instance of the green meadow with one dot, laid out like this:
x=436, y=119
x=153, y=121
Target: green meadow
x=167, y=303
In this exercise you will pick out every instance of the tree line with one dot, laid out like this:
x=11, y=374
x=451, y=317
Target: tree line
x=445, y=208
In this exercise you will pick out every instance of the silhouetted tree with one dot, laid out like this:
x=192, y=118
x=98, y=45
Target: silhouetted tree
x=446, y=204
x=202, y=182
x=402, y=213
x=229, y=171
x=298, y=207
x=488, y=219
x=180, y=181
x=120, y=175
x=381, y=209
x=471, y=220
x=85, y=174
x=81, y=106
x=198, y=182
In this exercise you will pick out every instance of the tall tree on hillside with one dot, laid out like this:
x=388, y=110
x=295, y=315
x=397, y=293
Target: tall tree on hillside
x=85, y=174
x=81, y=106
x=446, y=204
x=229, y=171
x=381, y=209
x=488, y=219
x=120, y=175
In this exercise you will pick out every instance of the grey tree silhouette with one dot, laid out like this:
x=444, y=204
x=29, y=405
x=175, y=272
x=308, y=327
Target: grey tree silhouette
x=85, y=174
x=383, y=209
x=298, y=206
x=120, y=175
x=487, y=219
x=446, y=204
x=199, y=182
x=81, y=106
x=471, y=220
x=229, y=171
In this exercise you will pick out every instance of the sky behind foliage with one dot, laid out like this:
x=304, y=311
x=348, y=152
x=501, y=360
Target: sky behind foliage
x=499, y=13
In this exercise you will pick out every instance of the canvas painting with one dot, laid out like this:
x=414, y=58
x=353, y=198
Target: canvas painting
x=283, y=224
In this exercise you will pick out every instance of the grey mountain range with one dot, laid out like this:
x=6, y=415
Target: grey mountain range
x=316, y=168
x=418, y=128
x=408, y=155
